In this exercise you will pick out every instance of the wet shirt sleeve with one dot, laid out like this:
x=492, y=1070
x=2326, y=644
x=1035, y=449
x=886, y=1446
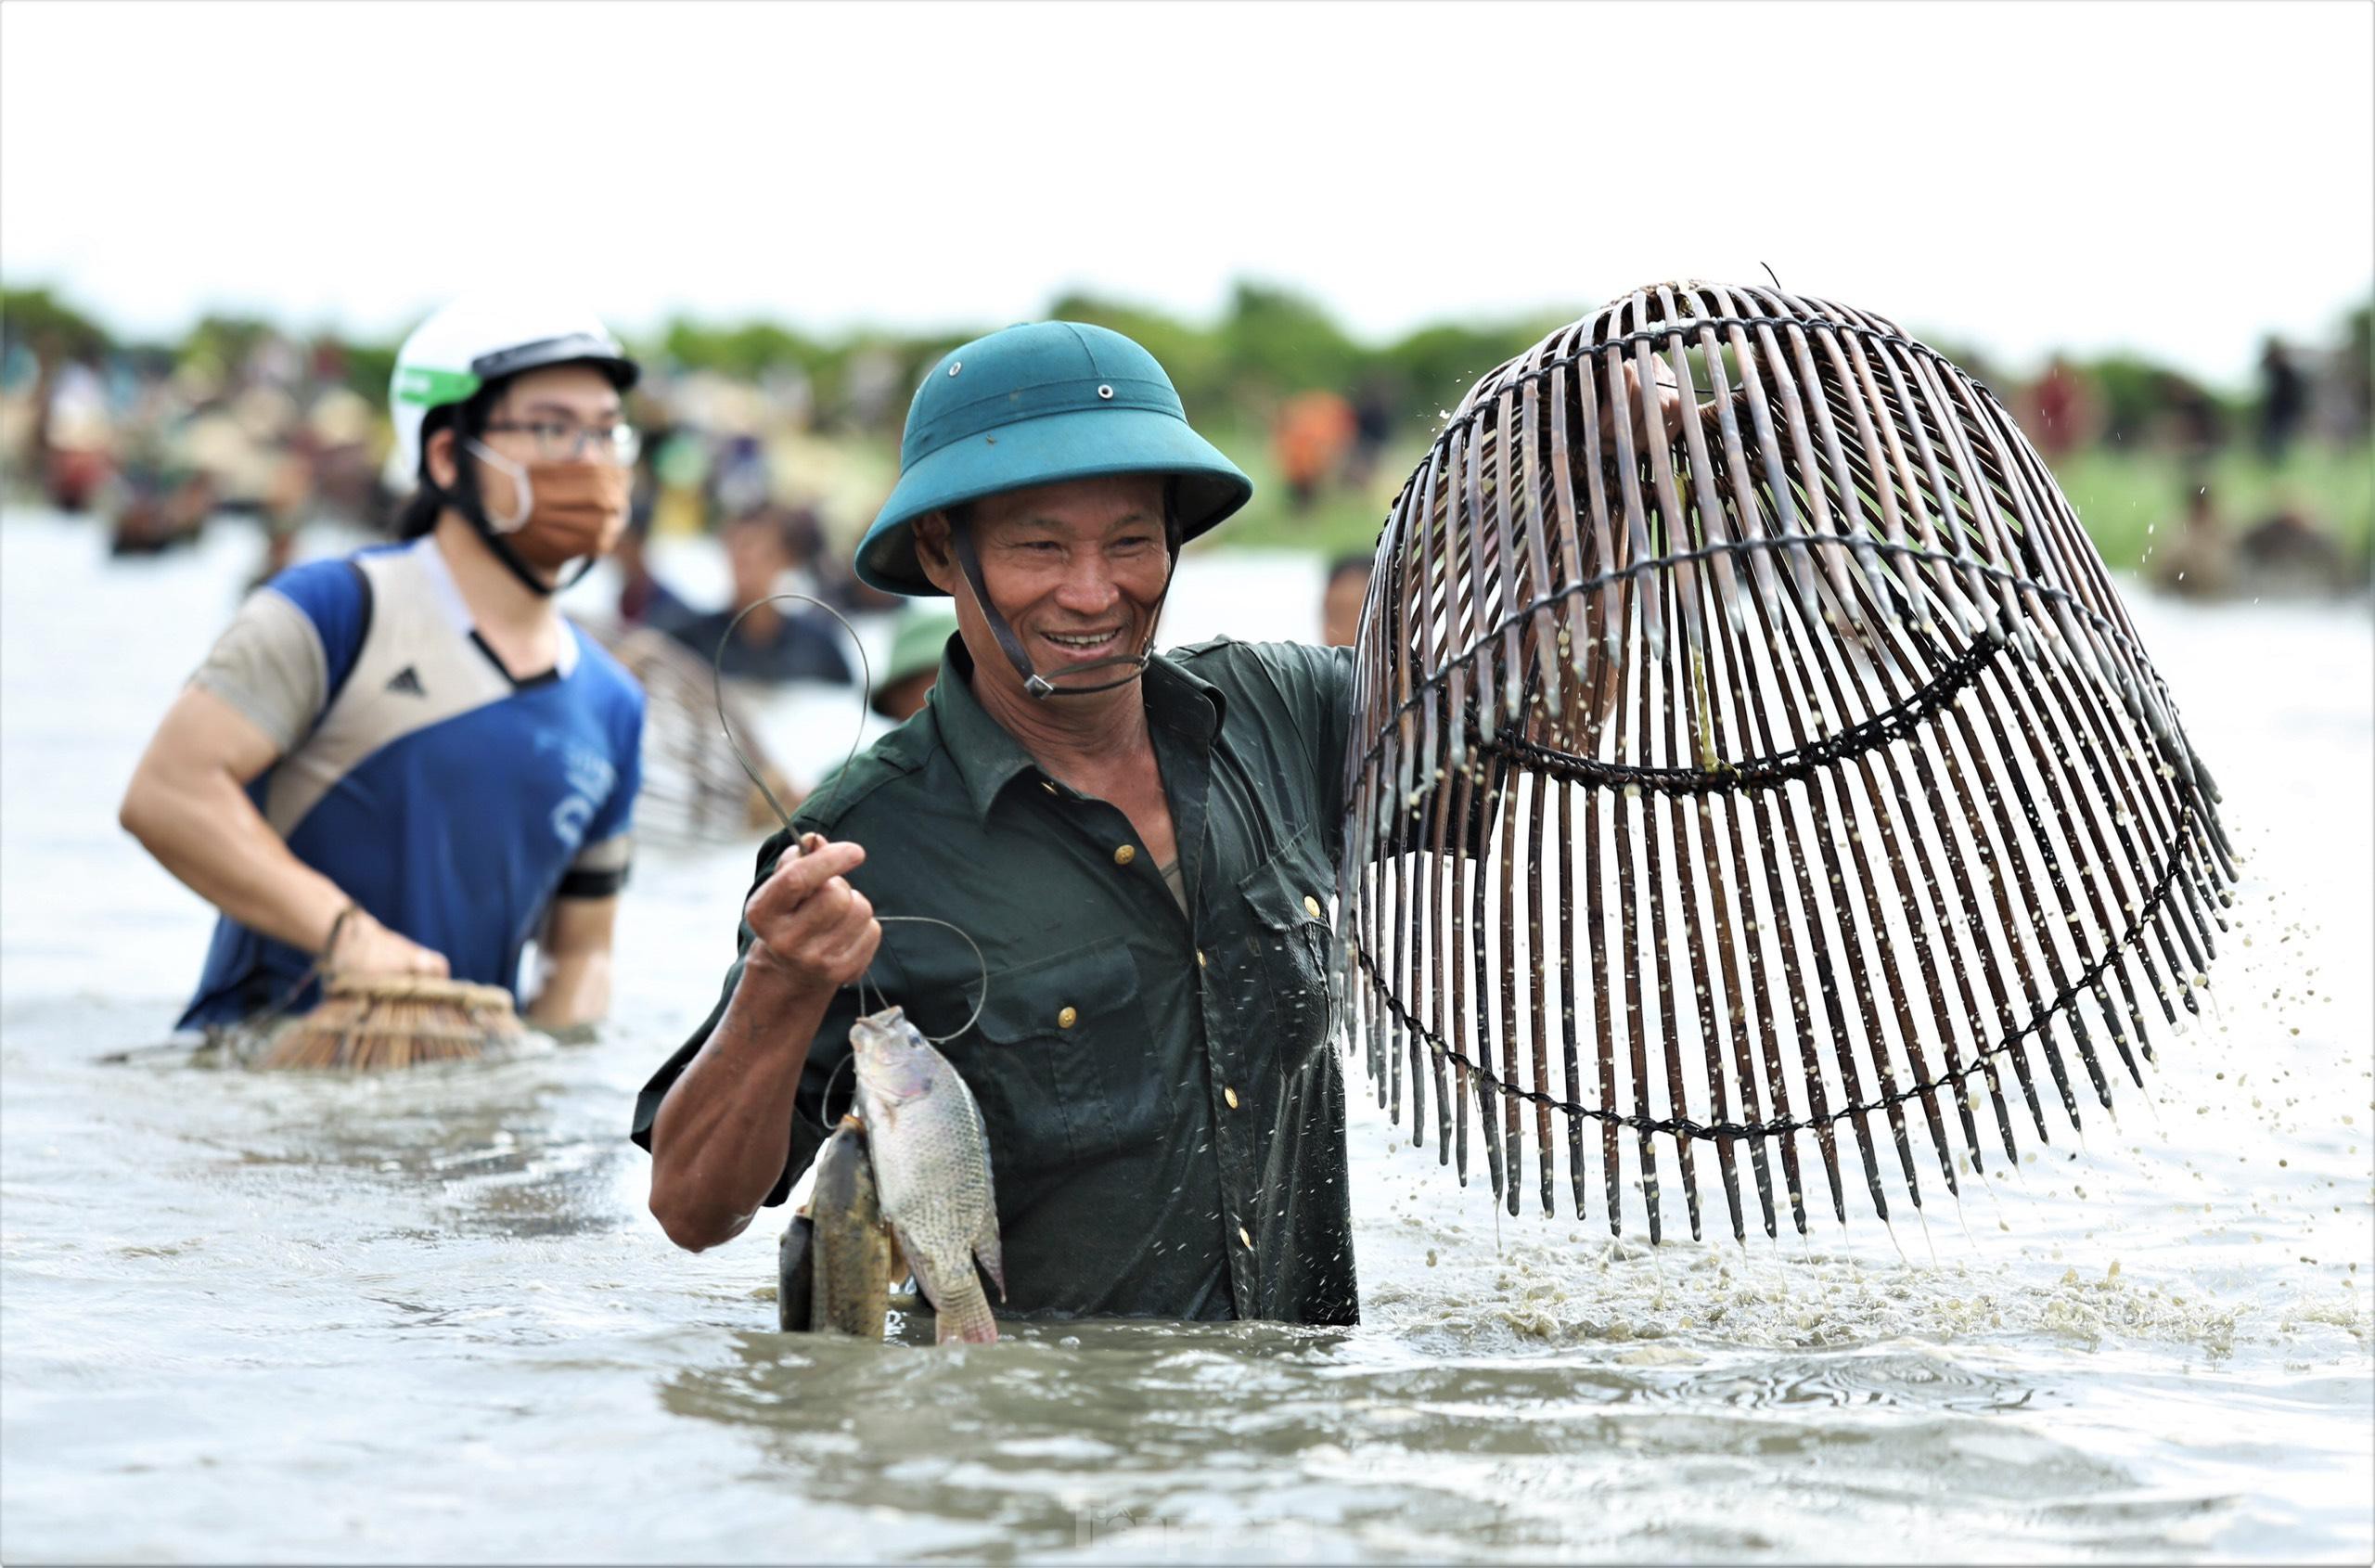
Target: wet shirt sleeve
x=287, y=654
x=1324, y=681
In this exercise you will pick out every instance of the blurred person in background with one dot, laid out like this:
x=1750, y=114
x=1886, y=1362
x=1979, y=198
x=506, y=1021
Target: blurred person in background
x=405, y=761
x=2284, y=398
x=345, y=475
x=2191, y=425
x=2290, y=555
x=738, y=480
x=643, y=599
x=21, y=371
x=1341, y=600
x=159, y=505
x=845, y=591
x=2064, y=412
x=158, y=496
x=2200, y=562
x=679, y=469
x=75, y=436
x=917, y=647
x=2342, y=398
x=776, y=642
x=1310, y=440
x=1373, y=407
x=870, y=386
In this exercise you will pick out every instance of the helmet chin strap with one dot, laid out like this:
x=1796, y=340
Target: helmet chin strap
x=473, y=509
x=960, y=539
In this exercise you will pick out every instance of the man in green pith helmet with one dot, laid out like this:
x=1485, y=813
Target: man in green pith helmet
x=1142, y=843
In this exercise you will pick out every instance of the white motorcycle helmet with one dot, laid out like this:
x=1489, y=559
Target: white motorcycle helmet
x=479, y=339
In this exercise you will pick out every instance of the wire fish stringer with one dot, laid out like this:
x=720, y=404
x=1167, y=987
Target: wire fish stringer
x=865, y=699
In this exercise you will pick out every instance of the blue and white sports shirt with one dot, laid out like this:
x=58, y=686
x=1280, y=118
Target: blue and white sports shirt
x=449, y=800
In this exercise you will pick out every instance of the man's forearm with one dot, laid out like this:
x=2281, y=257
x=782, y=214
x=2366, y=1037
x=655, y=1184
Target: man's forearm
x=209, y=834
x=722, y=1134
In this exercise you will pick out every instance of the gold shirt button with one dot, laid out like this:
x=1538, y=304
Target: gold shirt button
x=1047, y=786
x=1200, y=957
x=1230, y=1094
x=1311, y=905
x=1123, y=856
x=1244, y=1238
x=1067, y=1018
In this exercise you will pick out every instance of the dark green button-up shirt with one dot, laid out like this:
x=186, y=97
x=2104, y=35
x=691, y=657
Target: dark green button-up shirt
x=1166, y=1119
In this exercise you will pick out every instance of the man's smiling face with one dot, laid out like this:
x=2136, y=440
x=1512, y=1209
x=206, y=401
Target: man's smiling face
x=1077, y=569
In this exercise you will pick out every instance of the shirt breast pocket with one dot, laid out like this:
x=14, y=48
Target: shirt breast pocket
x=1071, y=1031
x=1293, y=948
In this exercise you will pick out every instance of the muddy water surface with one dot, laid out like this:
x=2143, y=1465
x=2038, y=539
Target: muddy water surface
x=427, y=1318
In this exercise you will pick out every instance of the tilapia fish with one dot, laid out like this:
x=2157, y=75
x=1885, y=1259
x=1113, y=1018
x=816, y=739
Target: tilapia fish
x=836, y=1256
x=931, y=1170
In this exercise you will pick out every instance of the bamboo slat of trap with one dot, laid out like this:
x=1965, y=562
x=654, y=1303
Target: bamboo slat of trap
x=372, y=1023
x=1836, y=777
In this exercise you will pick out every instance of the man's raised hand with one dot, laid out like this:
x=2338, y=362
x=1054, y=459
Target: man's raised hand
x=810, y=926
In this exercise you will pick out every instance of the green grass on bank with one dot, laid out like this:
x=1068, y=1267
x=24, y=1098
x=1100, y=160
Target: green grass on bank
x=2129, y=499
x=2126, y=499
x=1341, y=521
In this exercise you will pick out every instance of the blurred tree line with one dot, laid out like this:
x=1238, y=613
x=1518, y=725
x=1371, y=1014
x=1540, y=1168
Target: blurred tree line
x=2130, y=437
x=53, y=331
x=1269, y=343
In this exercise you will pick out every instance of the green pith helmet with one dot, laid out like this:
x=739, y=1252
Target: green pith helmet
x=1035, y=404
x=915, y=648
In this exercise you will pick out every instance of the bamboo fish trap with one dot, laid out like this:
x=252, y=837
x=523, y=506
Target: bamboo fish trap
x=370, y=1022
x=1724, y=792
x=692, y=789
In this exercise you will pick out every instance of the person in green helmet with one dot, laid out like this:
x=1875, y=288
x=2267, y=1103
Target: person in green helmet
x=1143, y=845
x=909, y=673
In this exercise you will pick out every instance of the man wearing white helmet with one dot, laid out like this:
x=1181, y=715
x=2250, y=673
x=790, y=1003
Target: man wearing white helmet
x=405, y=761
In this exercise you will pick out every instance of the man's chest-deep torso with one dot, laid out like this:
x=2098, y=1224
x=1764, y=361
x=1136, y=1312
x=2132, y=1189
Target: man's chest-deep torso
x=1156, y=1082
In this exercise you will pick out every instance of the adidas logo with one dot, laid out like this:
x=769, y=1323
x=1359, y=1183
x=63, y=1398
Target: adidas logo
x=408, y=680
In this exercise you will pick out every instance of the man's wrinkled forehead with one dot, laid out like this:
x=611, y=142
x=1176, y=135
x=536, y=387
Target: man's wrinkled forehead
x=1080, y=505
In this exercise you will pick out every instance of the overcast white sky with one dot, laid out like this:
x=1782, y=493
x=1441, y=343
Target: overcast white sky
x=2176, y=178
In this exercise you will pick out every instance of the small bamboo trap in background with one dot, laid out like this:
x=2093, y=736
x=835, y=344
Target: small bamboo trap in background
x=692, y=790
x=369, y=1022
x=1724, y=792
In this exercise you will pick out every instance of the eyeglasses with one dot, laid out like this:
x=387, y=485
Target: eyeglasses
x=558, y=441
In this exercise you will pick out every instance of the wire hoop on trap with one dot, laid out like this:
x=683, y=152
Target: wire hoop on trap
x=1732, y=783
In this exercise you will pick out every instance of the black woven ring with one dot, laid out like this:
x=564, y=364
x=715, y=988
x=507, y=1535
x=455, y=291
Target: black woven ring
x=1682, y=1127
